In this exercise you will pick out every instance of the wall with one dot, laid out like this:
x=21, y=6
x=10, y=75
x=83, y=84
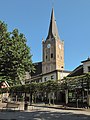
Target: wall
x=85, y=66
x=48, y=76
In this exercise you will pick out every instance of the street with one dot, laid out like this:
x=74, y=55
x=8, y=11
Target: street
x=42, y=113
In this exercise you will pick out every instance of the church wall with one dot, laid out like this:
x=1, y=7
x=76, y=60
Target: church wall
x=62, y=74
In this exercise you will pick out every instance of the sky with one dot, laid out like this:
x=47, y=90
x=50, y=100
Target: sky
x=32, y=18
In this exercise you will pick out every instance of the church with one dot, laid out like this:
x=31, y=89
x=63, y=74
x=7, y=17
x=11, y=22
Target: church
x=52, y=65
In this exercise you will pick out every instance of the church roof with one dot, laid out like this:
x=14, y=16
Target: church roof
x=38, y=69
x=77, y=71
x=53, y=31
x=88, y=59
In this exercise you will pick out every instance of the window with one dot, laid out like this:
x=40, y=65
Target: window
x=46, y=56
x=52, y=77
x=88, y=68
x=45, y=79
x=51, y=55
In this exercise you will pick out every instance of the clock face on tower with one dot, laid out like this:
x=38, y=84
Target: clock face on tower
x=48, y=45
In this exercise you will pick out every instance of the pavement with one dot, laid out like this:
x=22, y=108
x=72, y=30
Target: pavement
x=45, y=112
x=62, y=107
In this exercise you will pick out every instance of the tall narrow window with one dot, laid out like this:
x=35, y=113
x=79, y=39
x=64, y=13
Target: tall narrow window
x=46, y=56
x=51, y=55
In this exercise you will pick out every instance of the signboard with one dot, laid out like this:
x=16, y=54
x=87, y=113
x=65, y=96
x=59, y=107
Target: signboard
x=70, y=95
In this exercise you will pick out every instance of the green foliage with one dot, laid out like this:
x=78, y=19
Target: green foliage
x=15, y=57
x=17, y=89
x=41, y=87
x=72, y=83
x=51, y=86
x=33, y=88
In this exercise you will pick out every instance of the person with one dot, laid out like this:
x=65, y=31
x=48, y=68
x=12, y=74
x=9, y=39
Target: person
x=26, y=105
x=45, y=100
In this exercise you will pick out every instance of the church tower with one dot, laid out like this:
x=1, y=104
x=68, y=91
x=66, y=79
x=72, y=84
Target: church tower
x=53, y=49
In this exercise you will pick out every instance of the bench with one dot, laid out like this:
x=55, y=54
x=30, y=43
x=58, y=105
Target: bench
x=12, y=106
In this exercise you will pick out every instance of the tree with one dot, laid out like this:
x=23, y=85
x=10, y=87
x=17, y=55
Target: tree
x=15, y=57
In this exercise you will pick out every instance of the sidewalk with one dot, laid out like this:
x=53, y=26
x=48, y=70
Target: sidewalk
x=59, y=107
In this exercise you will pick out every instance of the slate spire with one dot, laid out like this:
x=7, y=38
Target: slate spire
x=53, y=31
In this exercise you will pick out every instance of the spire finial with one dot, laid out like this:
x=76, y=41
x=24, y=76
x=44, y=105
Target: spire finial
x=53, y=2
x=53, y=31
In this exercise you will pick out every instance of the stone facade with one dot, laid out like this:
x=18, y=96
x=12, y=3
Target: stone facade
x=53, y=49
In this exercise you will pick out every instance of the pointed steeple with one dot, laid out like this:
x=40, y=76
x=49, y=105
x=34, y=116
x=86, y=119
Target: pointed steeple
x=53, y=31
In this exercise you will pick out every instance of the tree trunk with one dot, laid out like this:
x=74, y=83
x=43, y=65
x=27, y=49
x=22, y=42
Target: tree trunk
x=66, y=97
x=53, y=98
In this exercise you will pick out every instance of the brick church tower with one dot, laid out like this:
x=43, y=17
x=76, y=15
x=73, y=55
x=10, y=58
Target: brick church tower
x=53, y=49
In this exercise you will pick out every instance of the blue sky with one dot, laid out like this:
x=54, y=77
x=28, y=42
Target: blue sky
x=32, y=18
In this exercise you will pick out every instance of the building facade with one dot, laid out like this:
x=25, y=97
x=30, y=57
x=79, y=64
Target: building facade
x=81, y=69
